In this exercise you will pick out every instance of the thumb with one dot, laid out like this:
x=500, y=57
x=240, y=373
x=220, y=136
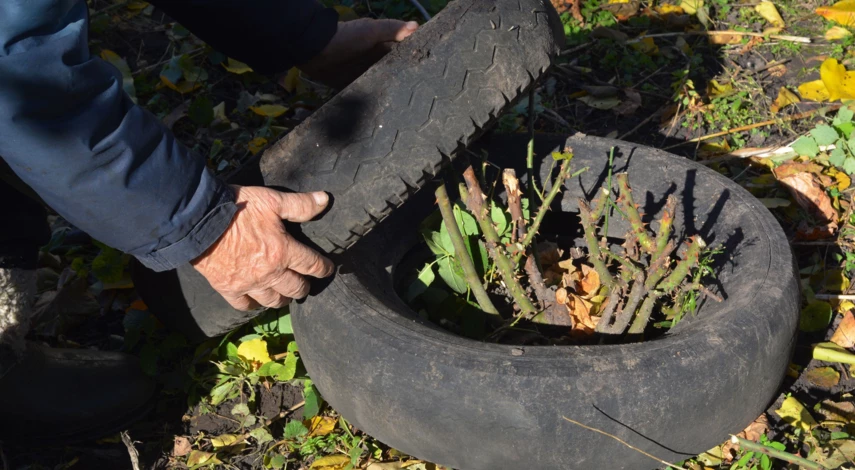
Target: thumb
x=301, y=207
x=393, y=30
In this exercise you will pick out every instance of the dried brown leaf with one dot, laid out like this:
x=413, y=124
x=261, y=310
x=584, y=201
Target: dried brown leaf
x=844, y=335
x=181, y=446
x=810, y=195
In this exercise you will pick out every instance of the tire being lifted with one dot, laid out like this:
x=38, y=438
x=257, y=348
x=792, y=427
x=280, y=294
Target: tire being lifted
x=473, y=405
x=384, y=136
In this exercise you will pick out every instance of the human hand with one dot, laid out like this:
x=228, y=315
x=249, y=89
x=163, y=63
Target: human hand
x=256, y=262
x=356, y=46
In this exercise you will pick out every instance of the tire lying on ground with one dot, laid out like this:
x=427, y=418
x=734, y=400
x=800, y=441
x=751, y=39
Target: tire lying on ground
x=380, y=139
x=473, y=405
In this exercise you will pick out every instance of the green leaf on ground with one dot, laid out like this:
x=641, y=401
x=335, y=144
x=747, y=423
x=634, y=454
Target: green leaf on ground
x=294, y=429
x=795, y=414
x=825, y=377
x=806, y=146
x=824, y=134
x=837, y=156
x=815, y=316
x=312, y=399
x=849, y=165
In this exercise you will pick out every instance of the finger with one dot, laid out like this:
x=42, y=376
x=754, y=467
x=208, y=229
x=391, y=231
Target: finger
x=300, y=207
x=392, y=30
x=292, y=285
x=269, y=298
x=243, y=302
x=307, y=261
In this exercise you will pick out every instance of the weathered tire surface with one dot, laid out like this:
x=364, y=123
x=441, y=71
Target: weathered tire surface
x=384, y=136
x=381, y=138
x=473, y=405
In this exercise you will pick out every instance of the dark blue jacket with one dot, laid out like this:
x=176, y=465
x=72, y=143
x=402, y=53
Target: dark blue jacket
x=108, y=166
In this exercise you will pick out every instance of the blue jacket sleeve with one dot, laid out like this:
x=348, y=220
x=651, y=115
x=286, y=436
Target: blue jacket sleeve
x=69, y=131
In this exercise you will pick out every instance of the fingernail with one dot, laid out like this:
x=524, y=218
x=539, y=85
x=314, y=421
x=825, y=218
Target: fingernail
x=412, y=25
x=321, y=198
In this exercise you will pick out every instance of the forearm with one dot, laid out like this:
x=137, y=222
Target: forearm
x=108, y=166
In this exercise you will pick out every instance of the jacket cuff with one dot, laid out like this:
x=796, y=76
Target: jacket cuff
x=201, y=237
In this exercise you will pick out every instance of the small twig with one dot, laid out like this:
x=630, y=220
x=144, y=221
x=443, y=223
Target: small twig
x=594, y=253
x=556, y=118
x=770, y=122
x=835, y=297
x=576, y=49
x=665, y=225
x=781, y=37
x=625, y=316
x=683, y=267
x=462, y=254
x=475, y=203
x=708, y=293
x=132, y=450
x=639, y=126
x=551, y=311
x=626, y=202
x=529, y=150
x=589, y=428
x=609, y=188
x=768, y=66
x=421, y=9
x=512, y=189
x=563, y=174
x=775, y=453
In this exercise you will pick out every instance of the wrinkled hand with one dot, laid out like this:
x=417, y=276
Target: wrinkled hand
x=256, y=262
x=356, y=46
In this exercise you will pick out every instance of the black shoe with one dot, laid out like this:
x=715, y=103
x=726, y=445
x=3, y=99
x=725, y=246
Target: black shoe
x=72, y=395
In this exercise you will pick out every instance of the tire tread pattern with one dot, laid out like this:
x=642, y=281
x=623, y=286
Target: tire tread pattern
x=383, y=137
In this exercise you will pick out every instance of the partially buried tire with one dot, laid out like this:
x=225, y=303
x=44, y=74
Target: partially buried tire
x=473, y=405
x=383, y=137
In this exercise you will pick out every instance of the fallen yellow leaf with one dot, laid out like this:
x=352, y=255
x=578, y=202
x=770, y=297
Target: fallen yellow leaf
x=768, y=11
x=331, y=462
x=255, y=351
x=291, y=81
x=841, y=12
x=784, y=99
x=225, y=440
x=836, y=32
x=320, y=425
x=646, y=46
x=692, y=6
x=839, y=83
x=843, y=180
x=256, y=145
x=236, y=66
x=714, y=88
x=814, y=91
x=835, y=83
x=668, y=9
x=182, y=86
x=269, y=110
x=795, y=414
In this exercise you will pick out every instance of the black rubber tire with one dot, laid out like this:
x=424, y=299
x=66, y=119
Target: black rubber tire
x=385, y=135
x=473, y=405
